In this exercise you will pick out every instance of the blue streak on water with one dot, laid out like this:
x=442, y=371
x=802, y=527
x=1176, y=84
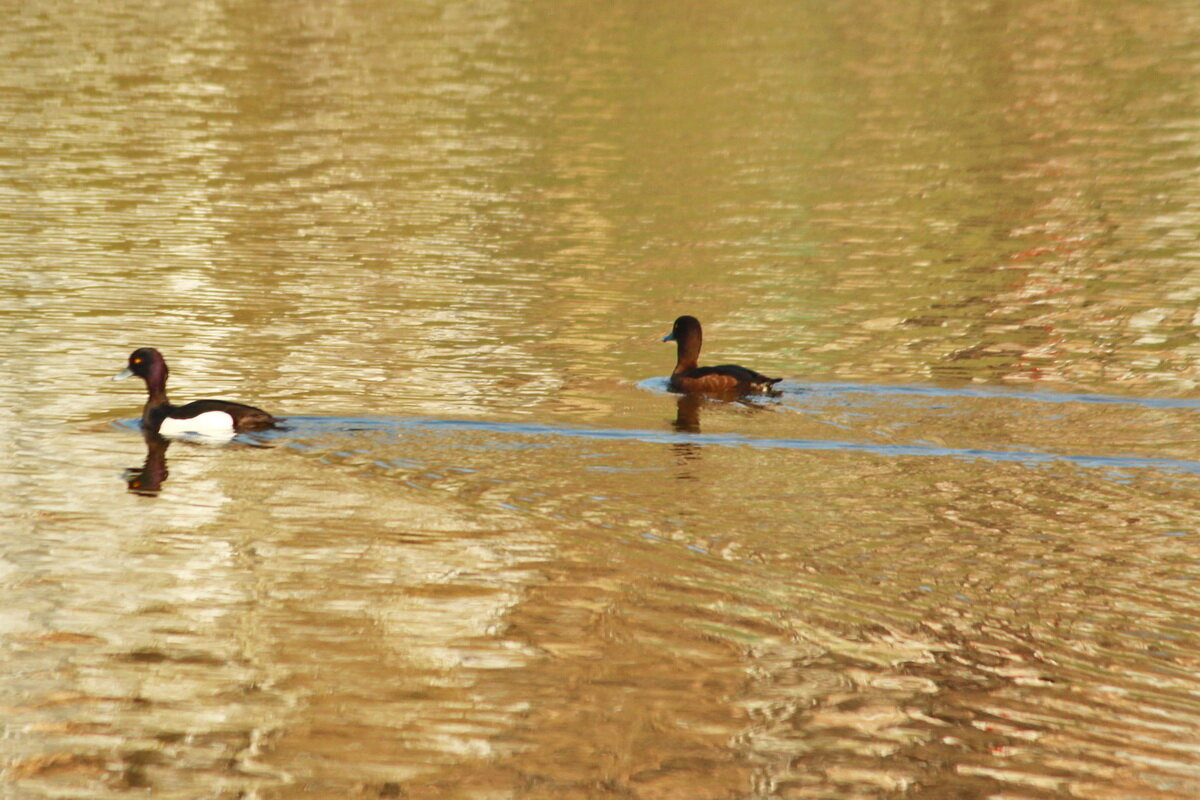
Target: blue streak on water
x=302, y=426
x=1029, y=457
x=1009, y=394
x=810, y=390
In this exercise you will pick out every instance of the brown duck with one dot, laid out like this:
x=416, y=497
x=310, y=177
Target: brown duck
x=724, y=379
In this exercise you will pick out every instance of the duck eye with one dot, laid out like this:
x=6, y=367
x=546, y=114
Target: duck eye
x=137, y=361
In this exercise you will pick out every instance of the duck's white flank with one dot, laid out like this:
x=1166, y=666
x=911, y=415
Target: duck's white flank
x=209, y=422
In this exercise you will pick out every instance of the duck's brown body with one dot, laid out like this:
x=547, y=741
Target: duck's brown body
x=726, y=379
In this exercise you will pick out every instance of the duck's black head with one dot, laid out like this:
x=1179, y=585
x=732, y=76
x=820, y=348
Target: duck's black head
x=148, y=364
x=685, y=328
x=687, y=337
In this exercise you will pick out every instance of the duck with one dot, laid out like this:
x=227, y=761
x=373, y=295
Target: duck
x=208, y=417
x=688, y=377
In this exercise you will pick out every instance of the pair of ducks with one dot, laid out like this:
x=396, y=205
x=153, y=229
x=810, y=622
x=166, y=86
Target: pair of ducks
x=223, y=416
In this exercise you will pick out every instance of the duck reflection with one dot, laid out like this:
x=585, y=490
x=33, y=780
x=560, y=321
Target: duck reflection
x=687, y=413
x=688, y=407
x=687, y=420
x=149, y=478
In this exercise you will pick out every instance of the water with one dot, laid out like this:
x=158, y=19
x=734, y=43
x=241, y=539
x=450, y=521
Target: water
x=490, y=556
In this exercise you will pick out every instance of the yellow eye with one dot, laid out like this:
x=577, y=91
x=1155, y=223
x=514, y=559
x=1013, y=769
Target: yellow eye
x=137, y=361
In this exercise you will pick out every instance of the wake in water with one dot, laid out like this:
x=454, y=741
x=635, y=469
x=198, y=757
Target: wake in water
x=861, y=410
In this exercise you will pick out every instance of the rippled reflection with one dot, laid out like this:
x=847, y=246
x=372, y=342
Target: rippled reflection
x=149, y=478
x=687, y=413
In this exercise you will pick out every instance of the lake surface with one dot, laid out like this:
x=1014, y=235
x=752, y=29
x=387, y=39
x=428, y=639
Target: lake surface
x=958, y=556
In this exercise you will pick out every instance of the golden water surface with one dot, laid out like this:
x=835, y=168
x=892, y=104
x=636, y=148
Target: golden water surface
x=490, y=556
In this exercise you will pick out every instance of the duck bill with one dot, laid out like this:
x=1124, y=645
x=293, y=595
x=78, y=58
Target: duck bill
x=670, y=337
x=123, y=374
